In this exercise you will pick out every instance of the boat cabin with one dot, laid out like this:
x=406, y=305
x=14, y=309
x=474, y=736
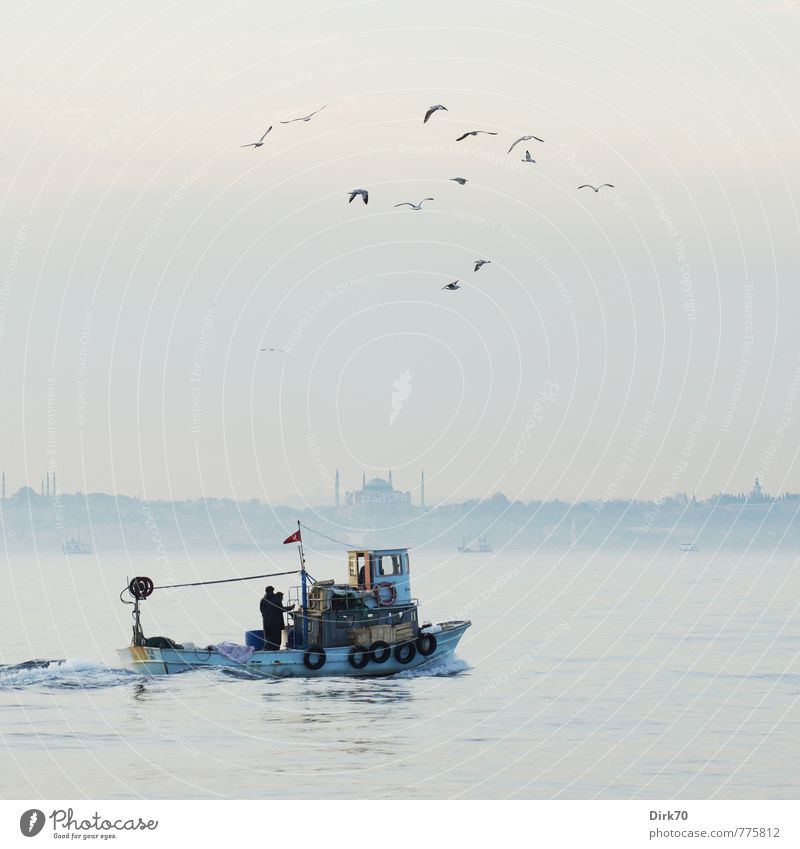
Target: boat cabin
x=375, y=603
x=384, y=573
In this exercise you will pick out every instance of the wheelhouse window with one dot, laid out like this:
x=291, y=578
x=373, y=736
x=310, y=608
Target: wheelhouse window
x=392, y=564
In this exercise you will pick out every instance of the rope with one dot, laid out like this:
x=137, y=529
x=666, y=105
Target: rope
x=349, y=545
x=226, y=580
x=319, y=533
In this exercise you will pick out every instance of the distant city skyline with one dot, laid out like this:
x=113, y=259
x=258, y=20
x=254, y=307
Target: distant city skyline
x=80, y=524
x=381, y=492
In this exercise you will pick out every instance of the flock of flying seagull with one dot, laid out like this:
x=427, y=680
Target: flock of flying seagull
x=417, y=207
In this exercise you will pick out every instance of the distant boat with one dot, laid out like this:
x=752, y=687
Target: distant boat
x=479, y=546
x=688, y=546
x=74, y=545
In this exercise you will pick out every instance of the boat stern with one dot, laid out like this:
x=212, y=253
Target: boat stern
x=143, y=659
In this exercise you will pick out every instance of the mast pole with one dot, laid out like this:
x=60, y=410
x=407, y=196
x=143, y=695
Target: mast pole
x=303, y=586
x=138, y=635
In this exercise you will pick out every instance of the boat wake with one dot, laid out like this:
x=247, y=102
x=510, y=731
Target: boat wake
x=444, y=668
x=71, y=674
x=79, y=674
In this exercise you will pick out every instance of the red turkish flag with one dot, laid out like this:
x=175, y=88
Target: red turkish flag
x=295, y=537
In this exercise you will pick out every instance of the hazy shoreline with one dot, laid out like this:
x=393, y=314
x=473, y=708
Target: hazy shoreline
x=31, y=523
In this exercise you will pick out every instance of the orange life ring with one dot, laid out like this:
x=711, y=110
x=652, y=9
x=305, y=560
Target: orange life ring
x=392, y=594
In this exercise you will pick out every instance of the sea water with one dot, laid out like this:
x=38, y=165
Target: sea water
x=585, y=675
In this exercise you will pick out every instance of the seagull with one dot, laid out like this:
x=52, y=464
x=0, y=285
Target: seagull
x=363, y=193
x=475, y=133
x=282, y=350
x=260, y=141
x=306, y=118
x=479, y=263
x=595, y=188
x=525, y=138
x=416, y=206
x=459, y=180
x=432, y=110
x=528, y=157
x=452, y=286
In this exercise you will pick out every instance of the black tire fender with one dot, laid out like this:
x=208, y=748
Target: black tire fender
x=359, y=656
x=405, y=653
x=320, y=655
x=380, y=651
x=141, y=587
x=426, y=644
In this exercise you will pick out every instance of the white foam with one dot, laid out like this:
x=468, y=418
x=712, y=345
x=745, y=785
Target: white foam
x=443, y=668
x=72, y=673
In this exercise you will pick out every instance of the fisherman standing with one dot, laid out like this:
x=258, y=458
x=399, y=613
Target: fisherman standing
x=270, y=620
x=272, y=610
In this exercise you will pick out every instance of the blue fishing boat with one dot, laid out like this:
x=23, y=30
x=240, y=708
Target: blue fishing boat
x=366, y=627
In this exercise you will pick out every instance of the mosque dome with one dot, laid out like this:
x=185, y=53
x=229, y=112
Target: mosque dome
x=378, y=483
x=25, y=492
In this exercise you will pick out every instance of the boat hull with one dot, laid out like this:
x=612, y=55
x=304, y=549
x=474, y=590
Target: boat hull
x=286, y=663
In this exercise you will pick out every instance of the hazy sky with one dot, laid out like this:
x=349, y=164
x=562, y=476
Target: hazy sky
x=634, y=342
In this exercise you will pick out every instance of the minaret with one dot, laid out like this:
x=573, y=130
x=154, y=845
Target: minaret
x=363, y=480
x=47, y=485
x=422, y=489
x=390, y=479
x=336, y=489
x=4, y=484
x=54, y=483
x=42, y=486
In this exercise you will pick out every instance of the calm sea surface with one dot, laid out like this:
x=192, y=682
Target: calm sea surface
x=610, y=675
